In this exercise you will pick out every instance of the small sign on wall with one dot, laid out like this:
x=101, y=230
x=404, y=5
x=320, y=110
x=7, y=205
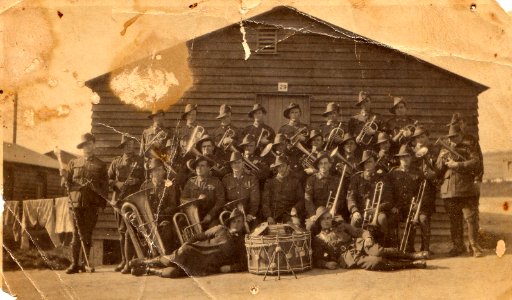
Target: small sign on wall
x=282, y=86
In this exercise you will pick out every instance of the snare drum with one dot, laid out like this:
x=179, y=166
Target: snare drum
x=294, y=243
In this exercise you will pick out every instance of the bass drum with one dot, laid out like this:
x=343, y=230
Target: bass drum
x=281, y=248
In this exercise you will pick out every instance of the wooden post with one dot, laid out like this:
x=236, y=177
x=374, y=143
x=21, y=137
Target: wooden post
x=15, y=118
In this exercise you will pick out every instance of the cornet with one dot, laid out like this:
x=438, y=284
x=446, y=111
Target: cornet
x=196, y=135
x=363, y=138
x=335, y=132
x=264, y=134
x=230, y=133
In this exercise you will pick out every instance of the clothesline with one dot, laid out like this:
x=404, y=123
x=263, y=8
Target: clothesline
x=53, y=214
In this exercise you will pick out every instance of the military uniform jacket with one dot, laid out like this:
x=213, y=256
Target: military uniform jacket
x=122, y=168
x=385, y=162
x=244, y=187
x=356, y=122
x=291, y=129
x=256, y=131
x=471, y=141
x=341, y=244
x=153, y=137
x=162, y=200
x=458, y=182
x=280, y=195
x=362, y=187
x=404, y=185
x=317, y=191
x=87, y=181
x=212, y=188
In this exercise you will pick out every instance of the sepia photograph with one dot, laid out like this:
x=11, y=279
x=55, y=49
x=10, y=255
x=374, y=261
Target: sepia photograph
x=275, y=149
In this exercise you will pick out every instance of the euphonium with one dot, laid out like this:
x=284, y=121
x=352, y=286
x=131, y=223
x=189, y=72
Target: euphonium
x=230, y=133
x=187, y=222
x=363, y=138
x=196, y=135
x=309, y=159
x=372, y=209
x=141, y=226
x=413, y=216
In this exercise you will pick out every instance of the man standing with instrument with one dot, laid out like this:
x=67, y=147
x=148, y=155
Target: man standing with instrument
x=345, y=246
x=294, y=129
x=405, y=182
x=248, y=148
x=243, y=186
x=321, y=186
x=226, y=134
x=400, y=126
x=208, y=189
x=364, y=125
x=189, y=115
x=125, y=175
x=263, y=133
x=283, y=195
x=458, y=161
x=86, y=180
x=156, y=135
x=426, y=155
x=332, y=114
x=385, y=159
x=361, y=193
x=209, y=150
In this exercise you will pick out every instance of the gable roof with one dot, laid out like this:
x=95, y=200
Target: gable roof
x=323, y=28
x=18, y=154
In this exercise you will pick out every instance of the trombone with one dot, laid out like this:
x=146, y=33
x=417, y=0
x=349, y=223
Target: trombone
x=413, y=216
x=264, y=134
x=332, y=203
x=372, y=209
x=363, y=138
x=230, y=133
x=335, y=132
x=336, y=154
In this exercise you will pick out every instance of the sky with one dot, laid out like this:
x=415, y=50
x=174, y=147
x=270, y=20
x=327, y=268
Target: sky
x=48, y=63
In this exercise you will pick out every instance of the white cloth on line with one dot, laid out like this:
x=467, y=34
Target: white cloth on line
x=63, y=217
x=40, y=212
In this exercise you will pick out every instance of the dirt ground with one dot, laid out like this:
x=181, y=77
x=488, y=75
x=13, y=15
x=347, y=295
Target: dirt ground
x=445, y=278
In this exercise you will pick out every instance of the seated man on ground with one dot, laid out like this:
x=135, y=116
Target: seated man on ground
x=219, y=249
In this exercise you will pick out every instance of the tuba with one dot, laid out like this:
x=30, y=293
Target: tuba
x=371, y=211
x=413, y=216
x=186, y=221
x=141, y=226
x=363, y=138
x=309, y=158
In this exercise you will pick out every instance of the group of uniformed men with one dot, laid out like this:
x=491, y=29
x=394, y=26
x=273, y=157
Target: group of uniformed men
x=288, y=176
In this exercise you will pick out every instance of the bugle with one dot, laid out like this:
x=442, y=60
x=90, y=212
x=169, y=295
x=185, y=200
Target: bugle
x=363, y=138
x=413, y=216
x=372, y=209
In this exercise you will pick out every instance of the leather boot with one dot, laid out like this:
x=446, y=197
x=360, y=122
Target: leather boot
x=395, y=253
x=140, y=270
x=120, y=266
x=153, y=271
x=399, y=265
x=75, y=254
x=477, y=251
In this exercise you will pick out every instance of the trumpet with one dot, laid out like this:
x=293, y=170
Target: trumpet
x=296, y=137
x=372, y=209
x=451, y=152
x=230, y=133
x=264, y=134
x=335, y=132
x=187, y=222
x=413, y=216
x=363, y=138
x=196, y=135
